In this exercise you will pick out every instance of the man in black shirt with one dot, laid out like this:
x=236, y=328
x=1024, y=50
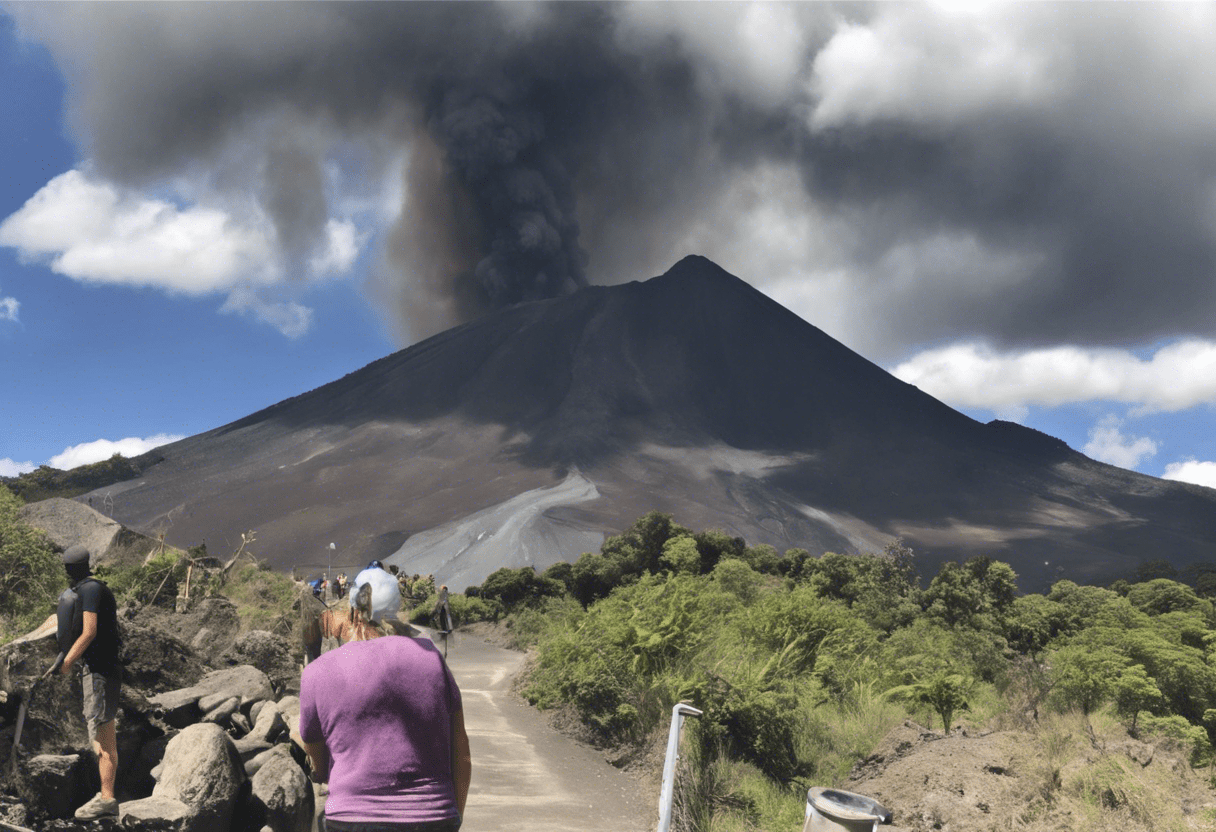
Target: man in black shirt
x=87, y=624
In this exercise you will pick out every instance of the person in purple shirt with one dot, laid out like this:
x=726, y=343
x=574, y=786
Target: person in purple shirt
x=382, y=723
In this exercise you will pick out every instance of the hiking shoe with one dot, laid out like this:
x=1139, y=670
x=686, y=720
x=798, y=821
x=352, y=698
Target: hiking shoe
x=98, y=807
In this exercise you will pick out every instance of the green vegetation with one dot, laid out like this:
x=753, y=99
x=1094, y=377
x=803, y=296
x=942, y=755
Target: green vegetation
x=45, y=482
x=31, y=576
x=802, y=664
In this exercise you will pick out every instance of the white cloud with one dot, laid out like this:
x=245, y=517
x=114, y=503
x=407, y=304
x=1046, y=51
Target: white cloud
x=9, y=468
x=1192, y=471
x=343, y=242
x=90, y=231
x=1176, y=377
x=923, y=67
x=8, y=309
x=289, y=317
x=89, y=452
x=1108, y=443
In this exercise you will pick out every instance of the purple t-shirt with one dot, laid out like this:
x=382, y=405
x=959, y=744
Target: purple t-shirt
x=383, y=708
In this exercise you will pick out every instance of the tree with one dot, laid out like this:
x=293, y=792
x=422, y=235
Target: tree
x=737, y=578
x=714, y=545
x=976, y=594
x=593, y=576
x=1150, y=570
x=512, y=587
x=1033, y=622
x=680, y=555
x=1161, y=595
x=1084, y=676
x=1134, y=692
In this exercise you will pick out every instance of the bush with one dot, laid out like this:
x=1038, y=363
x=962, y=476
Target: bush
x=31, y=575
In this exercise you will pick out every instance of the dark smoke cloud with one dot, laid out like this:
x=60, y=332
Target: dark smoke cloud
x=899, y=174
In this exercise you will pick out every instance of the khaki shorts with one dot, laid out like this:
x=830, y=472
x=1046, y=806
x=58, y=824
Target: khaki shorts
x=100, y=698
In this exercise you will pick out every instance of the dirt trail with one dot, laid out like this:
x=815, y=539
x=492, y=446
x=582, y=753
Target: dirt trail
x=526, y=775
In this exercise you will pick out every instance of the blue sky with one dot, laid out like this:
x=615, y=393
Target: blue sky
x=206, y=211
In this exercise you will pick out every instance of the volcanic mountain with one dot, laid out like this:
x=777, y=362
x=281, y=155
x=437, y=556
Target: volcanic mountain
x=526, y=436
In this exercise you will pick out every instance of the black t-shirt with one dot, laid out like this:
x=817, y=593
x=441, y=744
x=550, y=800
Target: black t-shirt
x=101, y=655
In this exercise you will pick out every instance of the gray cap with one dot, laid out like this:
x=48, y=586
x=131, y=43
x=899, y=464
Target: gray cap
x=74, y=554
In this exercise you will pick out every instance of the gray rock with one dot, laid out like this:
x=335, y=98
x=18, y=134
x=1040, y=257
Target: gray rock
x=269, y=652
x=249, y=747
x=281, y=795
x=223, y=711
x=269, y=725
x=255, y=709
x=240, y=723
x=181, y=707
x=258, y=760
x=155, y=814
x=202, y=770
x=59, y=783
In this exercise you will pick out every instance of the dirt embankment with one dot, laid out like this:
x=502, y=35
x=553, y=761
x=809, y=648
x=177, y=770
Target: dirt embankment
x=1058, y=774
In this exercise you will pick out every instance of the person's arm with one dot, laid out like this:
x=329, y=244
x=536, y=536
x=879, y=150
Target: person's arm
x=318, y=760
x=86, y=638
x=462, y=761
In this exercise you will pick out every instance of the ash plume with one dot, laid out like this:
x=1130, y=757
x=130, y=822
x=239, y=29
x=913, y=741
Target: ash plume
x=1026, y=174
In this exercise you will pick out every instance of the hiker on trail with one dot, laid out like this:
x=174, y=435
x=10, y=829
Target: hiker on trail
x=404, y=763
x=341, y=581
x=443, y=612
x=86, y=624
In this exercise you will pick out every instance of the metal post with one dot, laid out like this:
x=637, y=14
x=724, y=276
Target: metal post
x=678, y=712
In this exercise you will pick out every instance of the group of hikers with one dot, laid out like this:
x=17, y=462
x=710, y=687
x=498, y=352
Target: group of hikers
x=413, y=590
x=403, y=765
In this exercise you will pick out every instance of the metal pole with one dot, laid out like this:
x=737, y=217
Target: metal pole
x=678, y=712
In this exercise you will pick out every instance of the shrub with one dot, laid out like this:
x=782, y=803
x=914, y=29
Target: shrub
x=31, y=576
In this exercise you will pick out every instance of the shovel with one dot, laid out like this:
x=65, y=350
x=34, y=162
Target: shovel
x=25, y=704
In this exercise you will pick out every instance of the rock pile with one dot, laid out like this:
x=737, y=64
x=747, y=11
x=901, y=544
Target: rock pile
x=199, y=749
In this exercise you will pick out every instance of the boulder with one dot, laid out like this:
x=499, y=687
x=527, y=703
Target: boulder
x=240, y=723
x=202, y=770
x=222, y=712
x=249, y=747
x=58, y=783
x=289, y=707
x=71, y=521
x=269, y=724
x=272, y=653
x=155, y=660
x=281, y=795
x=155, y=814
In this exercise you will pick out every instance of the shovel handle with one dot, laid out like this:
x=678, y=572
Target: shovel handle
x=58, y=664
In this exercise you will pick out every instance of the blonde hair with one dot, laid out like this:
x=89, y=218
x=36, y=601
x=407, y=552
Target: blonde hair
x=362, y=626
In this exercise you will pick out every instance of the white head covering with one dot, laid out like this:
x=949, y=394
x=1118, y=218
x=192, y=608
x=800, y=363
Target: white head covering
x=386, y=597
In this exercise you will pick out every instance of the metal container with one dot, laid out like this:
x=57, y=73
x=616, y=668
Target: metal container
x=833, y=810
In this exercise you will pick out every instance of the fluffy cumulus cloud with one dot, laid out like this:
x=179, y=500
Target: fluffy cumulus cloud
x=11, y=468
x=1175, y=377
x=1192, y=471
x=89, y=230
x=89, y=452
x=8, y=308
x=1021, y=175
x=1108, y=443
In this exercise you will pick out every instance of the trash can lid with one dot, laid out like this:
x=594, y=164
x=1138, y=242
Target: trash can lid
x=844, y=805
